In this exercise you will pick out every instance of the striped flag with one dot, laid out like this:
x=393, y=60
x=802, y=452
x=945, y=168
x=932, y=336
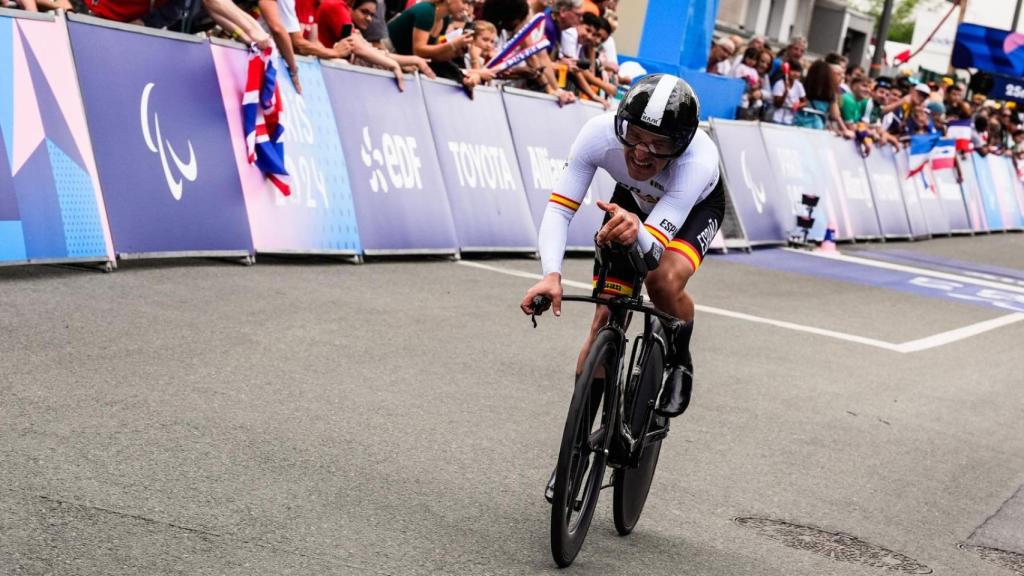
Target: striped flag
x=960, y=131
x=261, y=110
x=920, y=151
x=944, y=155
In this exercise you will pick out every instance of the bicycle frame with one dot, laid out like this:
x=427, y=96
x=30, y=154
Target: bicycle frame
x=621, y=309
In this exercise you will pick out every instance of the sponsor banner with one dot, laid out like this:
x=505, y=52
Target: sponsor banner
x=952, y=198
x=887, y=192
x=51, y=208
x=162, y=142
x=989, y=196
x=858, y=206
x=319, y=216
x=915, y=209
x=399, y=195
x=478, y=162
x=972, y=194
x=800, y=169
x=764, y=209
x=1006, y=193
x=543, y=134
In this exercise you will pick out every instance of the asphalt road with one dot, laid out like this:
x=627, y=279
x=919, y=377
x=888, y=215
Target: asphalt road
x=309, y=417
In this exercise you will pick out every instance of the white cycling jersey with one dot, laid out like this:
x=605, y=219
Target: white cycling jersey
x=666, y=199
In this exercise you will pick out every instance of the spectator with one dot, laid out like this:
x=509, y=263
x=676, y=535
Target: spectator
x=788, y=93
x=764, y=67
x=854, y=104
x=560, y=26
x=485, y=38
x=956, y=107
x=334, y=16
x=821, y=89
x=755, y=42
x=746, y=70
x=417, y=31
x=538, y=73
x=582, y=60
x=718, y=60
x=793, y=53
x=609, y=52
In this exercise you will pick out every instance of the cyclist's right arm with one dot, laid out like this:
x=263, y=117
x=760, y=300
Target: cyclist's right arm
x=562, y=206
x=568, y=196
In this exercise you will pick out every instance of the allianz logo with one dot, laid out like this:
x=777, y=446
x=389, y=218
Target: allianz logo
x=394, y=164
x=482, y=166
x=545, y=169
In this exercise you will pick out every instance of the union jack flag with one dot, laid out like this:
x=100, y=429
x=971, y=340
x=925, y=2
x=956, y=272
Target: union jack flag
x=261, y=110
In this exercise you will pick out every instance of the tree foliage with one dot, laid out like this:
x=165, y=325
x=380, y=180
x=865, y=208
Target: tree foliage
x=901, y=28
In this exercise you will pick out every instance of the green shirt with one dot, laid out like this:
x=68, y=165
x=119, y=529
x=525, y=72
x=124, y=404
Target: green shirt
x=852, y=109
x=420, y=16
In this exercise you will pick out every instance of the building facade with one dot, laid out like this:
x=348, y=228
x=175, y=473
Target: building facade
x=828, y=25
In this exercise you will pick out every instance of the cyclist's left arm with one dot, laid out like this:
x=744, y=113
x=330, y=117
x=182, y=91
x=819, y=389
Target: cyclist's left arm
x=694, y=182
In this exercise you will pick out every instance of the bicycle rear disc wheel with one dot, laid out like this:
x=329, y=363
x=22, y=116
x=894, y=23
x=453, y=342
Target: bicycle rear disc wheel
x=632, y=485
x=581, y=458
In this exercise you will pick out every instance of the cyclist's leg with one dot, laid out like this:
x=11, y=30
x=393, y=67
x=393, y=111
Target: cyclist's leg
x=667, y=288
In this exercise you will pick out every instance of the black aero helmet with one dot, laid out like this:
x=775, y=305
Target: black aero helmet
x=662, y=104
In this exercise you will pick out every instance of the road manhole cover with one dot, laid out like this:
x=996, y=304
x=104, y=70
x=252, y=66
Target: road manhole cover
x=834, y=545
x=1001, y=558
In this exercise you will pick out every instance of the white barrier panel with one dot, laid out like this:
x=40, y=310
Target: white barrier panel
x=855, y=200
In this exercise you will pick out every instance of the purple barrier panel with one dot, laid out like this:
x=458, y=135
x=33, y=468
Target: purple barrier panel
x=162, y=142
x=846, y=163
x=915, y=210
x=972, y=193
x=765, y=210
x=887, y=193
x=543, y=133
x=1005, y=192
x=478, y=162
x=400, y=200
x=51, y=209
x=799, y=169
x=952, y=198
x=319, y=216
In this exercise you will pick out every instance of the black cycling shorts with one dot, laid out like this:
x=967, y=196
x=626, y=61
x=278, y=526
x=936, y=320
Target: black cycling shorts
x=691, y=241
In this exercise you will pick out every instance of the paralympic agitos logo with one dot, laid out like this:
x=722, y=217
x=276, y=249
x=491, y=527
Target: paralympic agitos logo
x=157, y=144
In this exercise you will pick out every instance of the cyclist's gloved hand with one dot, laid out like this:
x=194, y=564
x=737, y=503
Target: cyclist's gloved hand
x=550, y=288
x=622, y=228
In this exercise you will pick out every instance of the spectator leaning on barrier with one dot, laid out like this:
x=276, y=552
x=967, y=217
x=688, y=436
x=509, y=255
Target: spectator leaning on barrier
x=418, y=30
x=538, y=72
x=822, y=91
x=788, y=93
x=485, y=41
x=560, y=25
x=335, y=17
x=854, y=104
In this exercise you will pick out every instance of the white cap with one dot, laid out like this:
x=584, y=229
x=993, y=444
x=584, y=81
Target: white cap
x=923, y=88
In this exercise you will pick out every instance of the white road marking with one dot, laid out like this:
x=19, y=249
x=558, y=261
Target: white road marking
x=911, y=270
x=919, y=345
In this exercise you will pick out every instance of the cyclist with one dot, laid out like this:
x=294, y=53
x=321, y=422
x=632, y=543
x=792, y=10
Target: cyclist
x=668, y=203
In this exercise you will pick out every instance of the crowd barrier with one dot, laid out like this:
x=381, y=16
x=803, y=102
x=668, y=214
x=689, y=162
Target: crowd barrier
x=148, y=158
x=769, y=167
x=51, y=208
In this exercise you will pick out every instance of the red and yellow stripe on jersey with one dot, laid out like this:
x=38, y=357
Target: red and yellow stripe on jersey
x=563, y=201
x=658, y=235
x=687, y=250
x=615, y=286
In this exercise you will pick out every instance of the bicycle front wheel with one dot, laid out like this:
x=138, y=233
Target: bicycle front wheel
x=581, y=458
